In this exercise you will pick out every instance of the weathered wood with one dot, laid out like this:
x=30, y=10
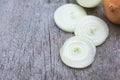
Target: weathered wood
x=62, y=1
x=30, y=43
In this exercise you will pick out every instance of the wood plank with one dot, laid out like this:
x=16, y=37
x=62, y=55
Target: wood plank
x=30, y=43
x=62, y=1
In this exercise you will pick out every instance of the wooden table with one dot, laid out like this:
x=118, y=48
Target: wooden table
x=30, y=43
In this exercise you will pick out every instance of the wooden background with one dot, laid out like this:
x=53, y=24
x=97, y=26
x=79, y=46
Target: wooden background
x=30, y=43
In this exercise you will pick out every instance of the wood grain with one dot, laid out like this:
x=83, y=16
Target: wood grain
x=30, y=43
x=62, y=1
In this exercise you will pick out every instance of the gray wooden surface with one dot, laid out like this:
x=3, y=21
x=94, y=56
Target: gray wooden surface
x=30, y=43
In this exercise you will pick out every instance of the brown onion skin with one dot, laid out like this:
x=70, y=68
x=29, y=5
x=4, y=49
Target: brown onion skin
x=112, y=10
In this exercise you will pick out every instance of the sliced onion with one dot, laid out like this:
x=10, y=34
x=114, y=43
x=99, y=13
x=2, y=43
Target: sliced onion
x=67, y=15
x=78, y=52
x=89, y=3
x=94, y=28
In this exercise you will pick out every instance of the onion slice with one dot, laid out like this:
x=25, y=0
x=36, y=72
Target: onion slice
x=94, y=28
x=67, y=15
x=78, y=52
x=89, y=3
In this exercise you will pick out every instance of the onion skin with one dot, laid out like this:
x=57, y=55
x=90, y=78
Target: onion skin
x=112, y=10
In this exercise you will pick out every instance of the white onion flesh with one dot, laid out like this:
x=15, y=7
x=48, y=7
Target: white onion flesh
x=89, y=3
x=94, y=28
x=78, y=52
x=67, y=15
